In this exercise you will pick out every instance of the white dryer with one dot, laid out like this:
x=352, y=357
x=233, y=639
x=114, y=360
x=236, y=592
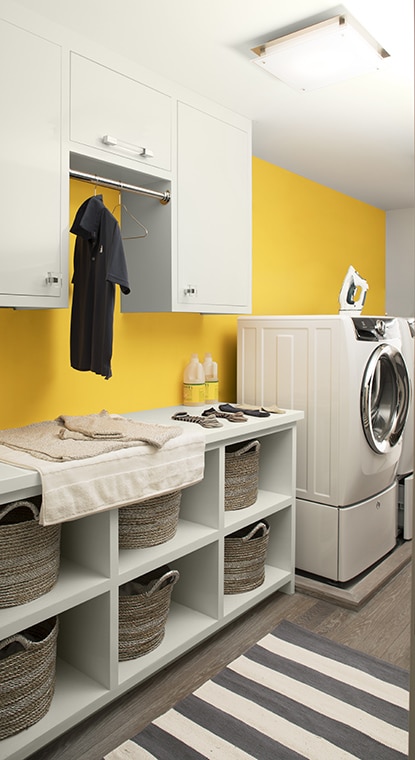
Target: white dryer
x=348, y=375
x=406, y=461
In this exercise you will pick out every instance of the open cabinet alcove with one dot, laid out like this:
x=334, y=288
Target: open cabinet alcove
x=148, y=256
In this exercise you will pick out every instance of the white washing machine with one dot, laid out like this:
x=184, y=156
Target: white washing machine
x=406, y=462
x=348, y=375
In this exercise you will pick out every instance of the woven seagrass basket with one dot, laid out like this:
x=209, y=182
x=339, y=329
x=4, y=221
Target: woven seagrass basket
x=144, y=605
x=245, y=553
x=27, y=676
x=149, y=522
x=241, y=475
x=29, y=554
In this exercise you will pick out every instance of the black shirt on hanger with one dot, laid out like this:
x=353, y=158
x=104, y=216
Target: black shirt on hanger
x=99, y=265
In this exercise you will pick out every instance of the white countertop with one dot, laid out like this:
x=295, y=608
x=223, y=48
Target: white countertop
x=252, y=426
x=18, y=483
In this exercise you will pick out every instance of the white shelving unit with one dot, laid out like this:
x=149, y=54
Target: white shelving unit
x=92, y=568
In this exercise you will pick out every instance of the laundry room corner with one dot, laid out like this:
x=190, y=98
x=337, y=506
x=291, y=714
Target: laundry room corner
x=207, y=319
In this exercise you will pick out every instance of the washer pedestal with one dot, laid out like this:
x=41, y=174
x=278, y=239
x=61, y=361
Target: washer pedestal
x=339, y=543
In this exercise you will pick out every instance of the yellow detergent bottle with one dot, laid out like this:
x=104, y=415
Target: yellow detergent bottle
x=211, y=380
x=194, y=383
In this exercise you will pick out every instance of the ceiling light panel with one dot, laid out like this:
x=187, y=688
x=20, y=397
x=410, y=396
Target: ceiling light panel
x=320, y=55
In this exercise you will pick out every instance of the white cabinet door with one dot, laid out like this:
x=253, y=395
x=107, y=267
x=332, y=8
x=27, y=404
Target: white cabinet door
x=31, y=271
x=214, y=247
x=118, y=115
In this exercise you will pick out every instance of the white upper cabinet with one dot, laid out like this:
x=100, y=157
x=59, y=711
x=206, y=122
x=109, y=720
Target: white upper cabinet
x=119, y=116
x=33, y=248
x=63, y=111
x=197, y=256
x=214, y=212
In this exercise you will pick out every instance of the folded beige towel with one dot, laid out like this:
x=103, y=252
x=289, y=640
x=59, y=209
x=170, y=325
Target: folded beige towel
x=45, y=440
x=104, y=426
x=100, y=425
x=136, y=472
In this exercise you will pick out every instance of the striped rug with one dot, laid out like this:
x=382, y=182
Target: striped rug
x=293, y=695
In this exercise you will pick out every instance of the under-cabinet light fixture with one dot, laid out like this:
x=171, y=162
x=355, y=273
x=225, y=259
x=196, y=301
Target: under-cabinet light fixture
x=321, y=54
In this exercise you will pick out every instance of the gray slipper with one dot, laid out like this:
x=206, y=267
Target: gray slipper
x=206, y=422
x=253, y=411
x=230, y=416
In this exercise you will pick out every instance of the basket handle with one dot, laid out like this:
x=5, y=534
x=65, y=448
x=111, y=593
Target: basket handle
x=14, y=505
x=251, y=445
x=18, y=638
x=261, y=526
x=168, y=579
x=25, y=640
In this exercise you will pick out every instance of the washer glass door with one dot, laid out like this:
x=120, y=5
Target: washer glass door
x=385, y=397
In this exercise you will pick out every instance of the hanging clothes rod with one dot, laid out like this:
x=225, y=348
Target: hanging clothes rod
x=164, y=198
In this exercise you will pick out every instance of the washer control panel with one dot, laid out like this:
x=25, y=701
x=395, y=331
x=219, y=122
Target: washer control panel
x=376, y=328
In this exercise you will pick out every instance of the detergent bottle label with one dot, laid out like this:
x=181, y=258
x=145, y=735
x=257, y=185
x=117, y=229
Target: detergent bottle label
x=193, y=394
x=212, y=391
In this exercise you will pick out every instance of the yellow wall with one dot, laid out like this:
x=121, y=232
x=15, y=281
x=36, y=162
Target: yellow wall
x=305, y=236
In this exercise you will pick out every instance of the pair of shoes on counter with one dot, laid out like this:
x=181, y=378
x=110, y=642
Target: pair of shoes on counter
x=229, y=412
x=207, y=422
x=236, y=416
x=254, y=411
x=208, y=419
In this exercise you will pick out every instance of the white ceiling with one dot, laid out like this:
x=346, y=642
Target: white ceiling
x=356, y=137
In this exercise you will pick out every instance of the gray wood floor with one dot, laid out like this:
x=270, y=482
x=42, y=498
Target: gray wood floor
x=380, y=628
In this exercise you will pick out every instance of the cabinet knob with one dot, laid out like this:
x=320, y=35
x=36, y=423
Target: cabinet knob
x=139, y=149
x=53, y=278
x=190, y=290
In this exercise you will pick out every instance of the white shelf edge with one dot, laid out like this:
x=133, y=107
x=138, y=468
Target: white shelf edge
x=75, y=585
x=237, y=604
x=268, y=503
x=189, y=538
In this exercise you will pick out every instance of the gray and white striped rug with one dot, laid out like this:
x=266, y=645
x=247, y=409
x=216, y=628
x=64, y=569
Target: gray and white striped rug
x=293, y=695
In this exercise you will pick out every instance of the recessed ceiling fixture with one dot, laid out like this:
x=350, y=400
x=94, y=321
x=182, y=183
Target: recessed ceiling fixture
x=319, y=55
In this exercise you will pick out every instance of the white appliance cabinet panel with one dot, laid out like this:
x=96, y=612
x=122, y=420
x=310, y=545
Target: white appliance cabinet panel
x=118, y=115
x=92, y=568
x=33, y=250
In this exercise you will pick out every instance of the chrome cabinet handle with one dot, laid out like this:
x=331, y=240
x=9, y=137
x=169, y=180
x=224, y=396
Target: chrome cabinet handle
x=139, y=149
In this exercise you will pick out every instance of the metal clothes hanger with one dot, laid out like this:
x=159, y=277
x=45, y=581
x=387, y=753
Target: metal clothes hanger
x=123, y=206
